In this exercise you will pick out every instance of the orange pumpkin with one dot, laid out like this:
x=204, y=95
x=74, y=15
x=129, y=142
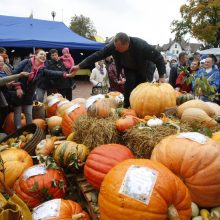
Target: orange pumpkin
x=67, y=210
x=101, y=108
x=126, y=122
x=152, y=98
x=198, y=165
x=126, y=111
x=45, y=147
x=79, y=101
x=166, y=197
x=41, y=123
x=51, y=108
x=70, y=116
x=15, y=162
x=9, y=126
x=62, y=106
x=102, y=159
x=38, y=184
x=52, y=96
x=54, y=121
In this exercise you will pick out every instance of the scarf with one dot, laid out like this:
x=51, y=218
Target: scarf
x=35, y=69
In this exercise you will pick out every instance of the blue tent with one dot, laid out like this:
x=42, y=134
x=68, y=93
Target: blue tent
x=29, y=32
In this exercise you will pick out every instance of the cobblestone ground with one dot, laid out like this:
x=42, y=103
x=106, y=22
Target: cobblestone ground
x=83, y=89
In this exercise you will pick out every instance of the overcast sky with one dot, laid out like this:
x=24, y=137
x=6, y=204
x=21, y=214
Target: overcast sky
x=147, y=19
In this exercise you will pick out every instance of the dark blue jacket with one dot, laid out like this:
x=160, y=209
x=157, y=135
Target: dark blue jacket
x=29, y=88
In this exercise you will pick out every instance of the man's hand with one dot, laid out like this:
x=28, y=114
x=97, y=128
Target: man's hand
x=162, y=80
x=24, y=74
x=20, y=93
x=74, y=69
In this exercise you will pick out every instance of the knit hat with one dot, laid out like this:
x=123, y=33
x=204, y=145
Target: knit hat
x=65, y=50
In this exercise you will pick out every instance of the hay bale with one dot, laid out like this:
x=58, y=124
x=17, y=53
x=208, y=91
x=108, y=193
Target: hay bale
x=95, y=131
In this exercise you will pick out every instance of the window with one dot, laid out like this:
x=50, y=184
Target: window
x=175, y=45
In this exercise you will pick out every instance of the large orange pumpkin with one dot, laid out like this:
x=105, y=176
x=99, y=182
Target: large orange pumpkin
x=52, y=96
x=62, y=106
x=38, y=184
x=51, y=108
x=166, y=196
x=102, y=159
x=152, y=98
x=15, y=162
x=70, y=116
x=9, y=126
x=65, y=210
x=198, y=165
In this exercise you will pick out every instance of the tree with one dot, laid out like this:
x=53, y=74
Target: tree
x=83, y=26
x=201, y=19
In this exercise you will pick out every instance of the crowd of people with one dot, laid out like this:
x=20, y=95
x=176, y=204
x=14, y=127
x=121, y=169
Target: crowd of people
x=120, y=66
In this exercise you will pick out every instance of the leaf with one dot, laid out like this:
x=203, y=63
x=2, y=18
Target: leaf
x=34, y=187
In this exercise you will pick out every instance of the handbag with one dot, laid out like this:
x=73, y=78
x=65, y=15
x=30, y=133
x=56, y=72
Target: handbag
x=99, y=89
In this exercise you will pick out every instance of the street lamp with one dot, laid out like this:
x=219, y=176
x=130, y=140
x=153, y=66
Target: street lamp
x=53, y=13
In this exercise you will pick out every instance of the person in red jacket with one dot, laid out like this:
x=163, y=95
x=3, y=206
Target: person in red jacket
x=181, y=84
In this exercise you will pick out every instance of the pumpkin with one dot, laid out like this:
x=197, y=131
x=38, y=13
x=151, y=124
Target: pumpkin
x=70, y=117
x=45, y=147
x=70, y=154
x=126, y=122
x=215, y=107
x=38, y=184
x=66, y=210
x=195, y=104
x=9, y=126
x=102, y=159
x=54, y=121
x=197, y=117
x=79, y=101
x=152, y=98
x=62, y=106
x=51, y=108
x=117, y=97
x=41, y=123
x=184, y=98
x=101, y=108
x=125, y=111
x=15, y=162
x=166, y=195
x=198, y=165
x=52, y=96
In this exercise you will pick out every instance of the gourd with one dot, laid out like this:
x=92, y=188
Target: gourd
x=184, y=98
x=195, y=209
x=45, y=147
x=197, y=117
x=152, y=98
x=154, y=122
x=41, y=123
x=215, y=107
x=204, y=213
x=53, y=122
x=102, y=159
x=196, y=164
x=126, y=122
x=195, y=104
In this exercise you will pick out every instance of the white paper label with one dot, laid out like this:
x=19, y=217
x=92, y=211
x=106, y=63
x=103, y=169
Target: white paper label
x=47, y=210
x=34, y=171
x=194, y=136
x=139, y=183
x=119, y=99
x=62, y=103
x=53, y=101
x=93, y=99
x=72, y=108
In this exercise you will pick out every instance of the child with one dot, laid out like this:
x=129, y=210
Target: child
x=67, y=58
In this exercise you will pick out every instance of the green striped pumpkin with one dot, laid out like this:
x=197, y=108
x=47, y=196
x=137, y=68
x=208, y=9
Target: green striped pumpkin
x=184, y=98
x=70, y=154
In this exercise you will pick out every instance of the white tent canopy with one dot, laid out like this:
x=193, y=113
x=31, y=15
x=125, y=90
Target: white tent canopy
x=215, y=51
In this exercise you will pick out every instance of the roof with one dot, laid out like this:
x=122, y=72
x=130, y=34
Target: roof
x=29, y=32
x=215, y=51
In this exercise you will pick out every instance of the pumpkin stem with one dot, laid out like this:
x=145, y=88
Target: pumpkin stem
x=172, y=213
x=78, y=216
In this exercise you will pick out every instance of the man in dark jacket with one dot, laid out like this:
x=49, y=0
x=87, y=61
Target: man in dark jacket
x=134, y=56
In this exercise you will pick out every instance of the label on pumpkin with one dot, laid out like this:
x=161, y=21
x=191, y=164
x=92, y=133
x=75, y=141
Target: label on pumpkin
x=93, y=99
x=193, y=136
x=62, y=103
x=72, y=108
x=53, y=101
x=34, y=171
x=139, y=183
x=47, y=210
